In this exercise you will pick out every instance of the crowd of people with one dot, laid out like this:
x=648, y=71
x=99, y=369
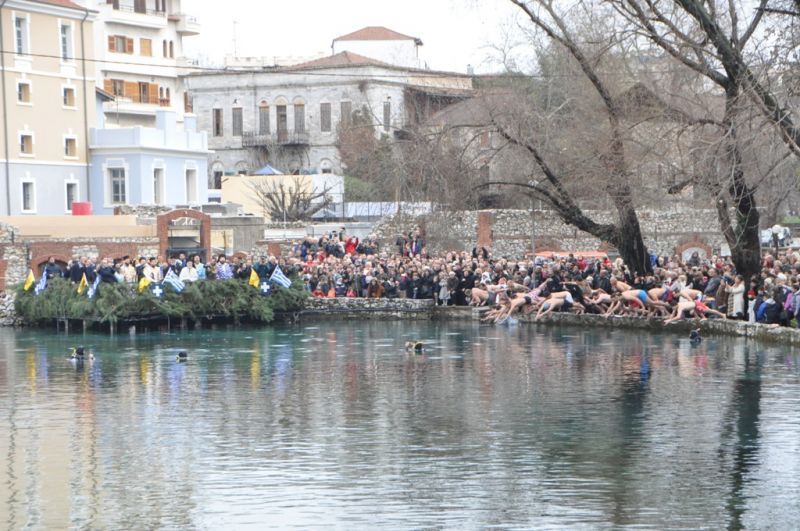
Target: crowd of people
x=342, y=265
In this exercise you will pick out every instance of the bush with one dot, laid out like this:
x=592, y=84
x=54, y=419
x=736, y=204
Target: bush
x=214, y=299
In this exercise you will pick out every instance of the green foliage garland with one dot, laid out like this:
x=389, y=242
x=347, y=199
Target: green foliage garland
x=213, y=299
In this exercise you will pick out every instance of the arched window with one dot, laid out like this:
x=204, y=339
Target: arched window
x=171, y=49
x=263, y=118
x=299, y=115
x=325, y=166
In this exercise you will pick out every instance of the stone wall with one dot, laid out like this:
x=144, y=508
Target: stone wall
x=361, y=309
x=509, y=232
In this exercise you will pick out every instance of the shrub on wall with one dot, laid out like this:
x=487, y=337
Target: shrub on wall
x=216, y=299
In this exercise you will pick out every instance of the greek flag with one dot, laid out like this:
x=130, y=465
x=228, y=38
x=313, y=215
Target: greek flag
x=93, y=287
x=174, y=282
x=279, y=278
x=41, y=284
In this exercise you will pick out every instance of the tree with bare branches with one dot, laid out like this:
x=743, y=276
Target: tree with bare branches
x=289, y=201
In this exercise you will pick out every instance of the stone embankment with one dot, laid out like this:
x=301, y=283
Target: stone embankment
x=8, y=317
x=425, y=310
x=409, y=309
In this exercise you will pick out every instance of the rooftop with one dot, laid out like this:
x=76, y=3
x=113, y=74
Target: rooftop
x=61, y=3
x=377, y=33
x=338, y=60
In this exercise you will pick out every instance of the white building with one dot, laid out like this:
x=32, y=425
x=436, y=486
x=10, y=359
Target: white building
x=382, y=44
x=139, y=57
x=289, y=116
x=161, y=165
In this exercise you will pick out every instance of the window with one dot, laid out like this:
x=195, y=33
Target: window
x=164, y=51
x=144, y=92
x=139, y=6
x=171, y=49
x=28, y=196
x=236, y=121
x=299, y=118
x=117, y=87
x=71, y=195
x=26, y=144
x=191, y=186
x=70, y=147
x=66, y=42
x=217, y=180
x=21, y=35
x=263, y=119
x=346, y=110
x=325, y=166
x=387, y=115
x=216, y=126
x=116, y=186
x=23, y=92
x=282, y=121
x=325, y=117
x=68, y=96
x=158, y=186
x=146, y=47
x=120, y=44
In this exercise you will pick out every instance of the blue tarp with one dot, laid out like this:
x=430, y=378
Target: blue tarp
x=267, y=170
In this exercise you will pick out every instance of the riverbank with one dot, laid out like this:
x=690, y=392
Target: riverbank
x=409, y=309
x=348, y=309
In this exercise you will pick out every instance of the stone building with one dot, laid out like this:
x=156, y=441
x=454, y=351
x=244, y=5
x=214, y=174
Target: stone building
x=288, y=116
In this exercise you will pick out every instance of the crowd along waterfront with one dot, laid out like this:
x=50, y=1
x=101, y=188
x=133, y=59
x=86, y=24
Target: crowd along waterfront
x=335, y=424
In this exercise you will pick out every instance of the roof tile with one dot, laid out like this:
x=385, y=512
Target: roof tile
x=375, y=33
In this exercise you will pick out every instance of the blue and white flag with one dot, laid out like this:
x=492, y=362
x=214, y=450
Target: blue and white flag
x=93, y=288
x=41, y=284
x=174, y=282
x=156, y=290
x=279, y=278
x=265, y=288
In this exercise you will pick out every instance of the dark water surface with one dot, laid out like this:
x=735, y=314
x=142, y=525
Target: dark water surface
x=336, y=425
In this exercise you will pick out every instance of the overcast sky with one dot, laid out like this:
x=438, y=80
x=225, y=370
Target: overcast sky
x=455, y=33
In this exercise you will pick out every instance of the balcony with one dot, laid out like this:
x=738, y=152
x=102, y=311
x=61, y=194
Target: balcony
x=281, y=138
x=185, y=24
x=121, y=13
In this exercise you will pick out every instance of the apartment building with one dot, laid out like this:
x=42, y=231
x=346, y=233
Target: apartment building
x=289, y=116
x=47, y=105
x=139, y=46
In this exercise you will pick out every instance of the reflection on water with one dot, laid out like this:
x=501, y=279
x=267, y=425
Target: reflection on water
x=335, y=424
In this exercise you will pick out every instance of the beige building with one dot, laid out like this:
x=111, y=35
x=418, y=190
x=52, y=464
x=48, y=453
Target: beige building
x=48, y=104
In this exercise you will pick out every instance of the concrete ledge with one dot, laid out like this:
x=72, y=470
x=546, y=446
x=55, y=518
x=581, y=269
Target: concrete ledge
x=369, y=309
x=760, y=332
x=425, y=310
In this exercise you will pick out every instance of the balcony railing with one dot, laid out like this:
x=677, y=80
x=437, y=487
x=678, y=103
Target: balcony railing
x=281, y=138
x=133, y=9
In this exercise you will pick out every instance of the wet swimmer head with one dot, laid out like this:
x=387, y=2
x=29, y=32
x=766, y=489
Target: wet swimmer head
x=695, y=337
x=416, y=346
x=79, y=354
x=182, y=356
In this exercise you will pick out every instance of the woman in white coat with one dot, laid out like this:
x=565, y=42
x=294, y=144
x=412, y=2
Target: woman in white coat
x=736, y=298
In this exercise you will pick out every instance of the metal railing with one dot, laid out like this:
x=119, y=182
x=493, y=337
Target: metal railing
x=132, y=9
x=281, y=138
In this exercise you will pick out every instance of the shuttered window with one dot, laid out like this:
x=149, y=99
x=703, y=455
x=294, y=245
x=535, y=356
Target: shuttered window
x=146, y=47
x=325, y=117
x=236, y=121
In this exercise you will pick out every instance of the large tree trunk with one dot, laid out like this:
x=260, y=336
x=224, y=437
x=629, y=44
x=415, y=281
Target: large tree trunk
x=628, y=241
x=742, y=235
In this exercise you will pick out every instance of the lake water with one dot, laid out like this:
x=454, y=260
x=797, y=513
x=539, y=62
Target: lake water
x=336, y=425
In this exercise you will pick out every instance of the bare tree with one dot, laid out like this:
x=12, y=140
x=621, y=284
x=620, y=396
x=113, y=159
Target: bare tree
x=289, y=201
x=597, y=143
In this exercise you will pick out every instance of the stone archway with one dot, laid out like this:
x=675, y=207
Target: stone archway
x=692, y=244
x=163, y=223
x=38, y=263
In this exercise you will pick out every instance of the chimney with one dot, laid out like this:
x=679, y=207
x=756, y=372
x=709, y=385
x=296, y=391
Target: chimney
x=190, y=123
x=165, y=121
